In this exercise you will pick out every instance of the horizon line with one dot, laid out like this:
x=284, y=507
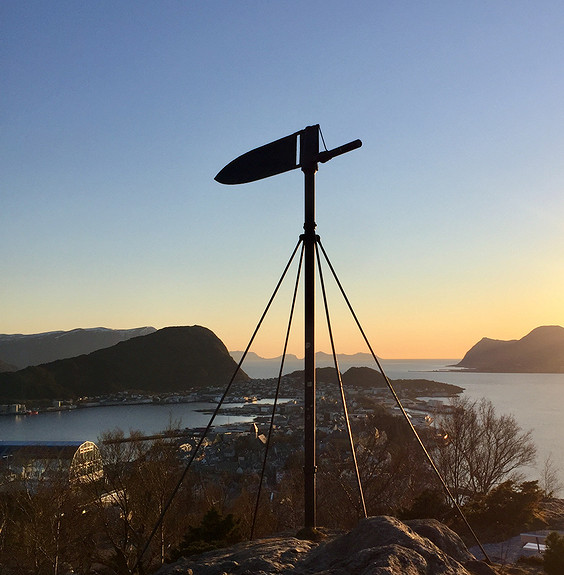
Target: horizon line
x=356, y=353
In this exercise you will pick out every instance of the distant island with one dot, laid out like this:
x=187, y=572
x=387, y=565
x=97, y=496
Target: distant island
x=540, y=351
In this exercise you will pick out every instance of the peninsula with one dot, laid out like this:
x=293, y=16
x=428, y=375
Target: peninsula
x=540, y=351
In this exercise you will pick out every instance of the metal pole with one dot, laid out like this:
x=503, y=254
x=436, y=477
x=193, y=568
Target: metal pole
x=309, y=149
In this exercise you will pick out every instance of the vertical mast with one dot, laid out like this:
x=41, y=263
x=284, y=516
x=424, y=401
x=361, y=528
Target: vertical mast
x=309, y=150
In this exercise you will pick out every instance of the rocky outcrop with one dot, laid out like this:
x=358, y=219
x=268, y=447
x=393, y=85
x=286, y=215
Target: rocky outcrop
x=377, y=546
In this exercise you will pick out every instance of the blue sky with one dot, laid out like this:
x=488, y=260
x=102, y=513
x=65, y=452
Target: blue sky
x=446, y=226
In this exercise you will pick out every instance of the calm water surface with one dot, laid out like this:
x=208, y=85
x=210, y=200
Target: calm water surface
x=87, y=424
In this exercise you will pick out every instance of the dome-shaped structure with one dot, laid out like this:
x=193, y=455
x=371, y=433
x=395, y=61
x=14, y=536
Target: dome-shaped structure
x=86, y=464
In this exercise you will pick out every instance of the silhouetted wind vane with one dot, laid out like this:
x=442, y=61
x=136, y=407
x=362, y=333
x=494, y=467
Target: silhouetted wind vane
x=275, y=158
x=269, y=160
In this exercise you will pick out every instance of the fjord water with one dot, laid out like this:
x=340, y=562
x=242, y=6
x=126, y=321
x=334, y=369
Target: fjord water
x=536, y=401
x=89, y=423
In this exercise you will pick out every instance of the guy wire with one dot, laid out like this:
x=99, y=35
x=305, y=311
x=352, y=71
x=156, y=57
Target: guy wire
x=216, y=411
x=404, y=413
x=292, y=308
x=340, y=380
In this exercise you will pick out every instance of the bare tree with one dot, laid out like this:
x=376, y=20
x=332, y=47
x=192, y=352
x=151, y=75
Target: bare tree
x=549, y=477
x=140, y=475
x=44, y=526
x=480, y=449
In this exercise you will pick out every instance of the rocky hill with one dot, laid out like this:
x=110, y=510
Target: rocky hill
x=357, y=376
x=170, y=359
x=541, y=351
x=25, y=350
x=377, y=546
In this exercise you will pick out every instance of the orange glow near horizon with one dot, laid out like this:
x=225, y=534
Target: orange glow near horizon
x=397, y=336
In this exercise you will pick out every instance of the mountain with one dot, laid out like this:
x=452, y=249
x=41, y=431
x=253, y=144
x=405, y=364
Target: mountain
x=261, y=367
x=24, y=350
x=6, y=367
x=354, y=376
x=170, y=359
x=541, y=351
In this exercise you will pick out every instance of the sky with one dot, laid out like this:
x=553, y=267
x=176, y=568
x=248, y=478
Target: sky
x=445, y=227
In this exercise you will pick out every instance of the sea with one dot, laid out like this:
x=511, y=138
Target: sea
x=535, y=400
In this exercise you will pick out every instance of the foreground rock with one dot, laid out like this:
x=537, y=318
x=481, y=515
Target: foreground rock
x=377, y=546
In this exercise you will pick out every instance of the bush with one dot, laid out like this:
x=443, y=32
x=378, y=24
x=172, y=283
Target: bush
x=534, y=560
x=215, y=531
x=428, y=504
x=506, y=510
x=554, y=554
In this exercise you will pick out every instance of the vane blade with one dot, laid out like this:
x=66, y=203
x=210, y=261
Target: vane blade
x=268, y=160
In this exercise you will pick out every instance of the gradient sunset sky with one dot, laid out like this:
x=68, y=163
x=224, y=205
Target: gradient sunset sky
x=446, y=226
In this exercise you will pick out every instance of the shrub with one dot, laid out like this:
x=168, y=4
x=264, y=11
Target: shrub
x=534, y=560
x=506, y=510
x=554, y=554
x=428, y=504
x=215, y=531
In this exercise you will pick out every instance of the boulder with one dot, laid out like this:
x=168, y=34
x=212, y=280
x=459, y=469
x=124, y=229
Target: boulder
x=443, y=537
x=377, y=546
x=384, y=545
